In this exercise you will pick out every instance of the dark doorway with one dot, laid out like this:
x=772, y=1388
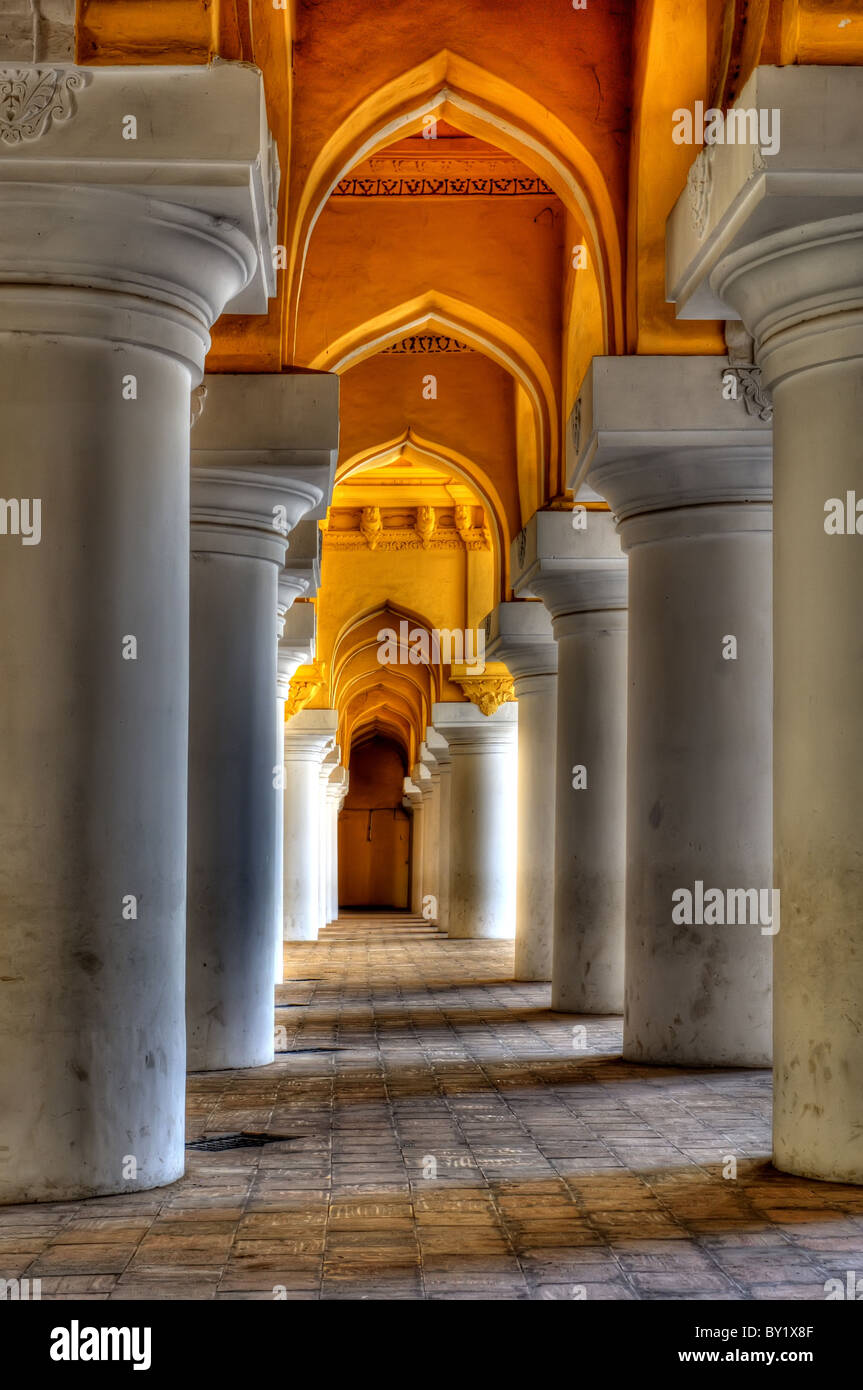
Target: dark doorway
x=375, y=829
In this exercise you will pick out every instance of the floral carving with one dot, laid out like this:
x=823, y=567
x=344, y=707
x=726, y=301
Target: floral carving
x=755, y=398
x=699, y=186
x=31, y=98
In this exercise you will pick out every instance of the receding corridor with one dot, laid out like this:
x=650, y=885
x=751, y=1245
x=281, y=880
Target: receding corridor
x=561, y=1172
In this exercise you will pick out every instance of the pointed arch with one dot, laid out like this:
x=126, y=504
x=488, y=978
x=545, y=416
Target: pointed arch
x=434, y=312
x=482, y=104
x=413, y=448
x=362, y=689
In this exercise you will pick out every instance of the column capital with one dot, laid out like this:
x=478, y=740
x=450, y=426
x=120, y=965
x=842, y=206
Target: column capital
x=573, y=570
x=747, y=214
x=296, y=644
x=429, y=762
x=203, y=163
x=329, y=762
x=520, y=635
x=337, y=783
x=466, y=729
x=656, y=434
x=262, y=457
x=237, y=512
x=304, y=548
x=138, y=242
x=272, y=420
x=310, y=734
x=293, y=584
x=422, y=779
x=438, y=747
x=412, y=797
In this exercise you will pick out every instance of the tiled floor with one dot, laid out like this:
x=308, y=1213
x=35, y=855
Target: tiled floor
x=451, y=1138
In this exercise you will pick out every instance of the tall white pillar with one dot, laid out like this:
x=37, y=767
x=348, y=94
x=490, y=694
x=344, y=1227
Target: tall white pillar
x=292, y=584
x=115, y=259
x=296, y=648
x=520, y=634
x=413, y=800
x=329, y=765
x=309, y=735
x=688, y=477
x=424, y=779
x=483, y=749
x=780, y=244
x=580, y=574
x=337, y=790
x=439, y=749
x=430, y=788
x=249, y=488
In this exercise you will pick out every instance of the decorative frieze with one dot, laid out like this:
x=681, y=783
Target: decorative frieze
x=406, y=528
x=423, y=187
x=426, y=342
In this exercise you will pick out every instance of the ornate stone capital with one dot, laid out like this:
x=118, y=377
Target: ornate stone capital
x=199, y=181
x=815, y=173
x=663, y=436
x=262, y=456
x=520, y=635
x=467, y=729
x=572, y=571
x=310, y=734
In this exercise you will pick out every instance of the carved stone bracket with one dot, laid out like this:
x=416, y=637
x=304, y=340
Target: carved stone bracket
x=488, y=693
x=303, y=690
x=371, y=525
x=742, y=366
x=755, y=398
x=425, y=525
x=199, y=397
x=32, y=98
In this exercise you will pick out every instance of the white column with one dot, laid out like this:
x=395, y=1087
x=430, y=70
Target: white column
x=423, y=779
x=292, y=585
x=431, y=827
x=337, y=790
x=309, y=735
x=296, y=648
x=325, y=855
x=413, y=800
x=520, y=634
x=483, y=749
x=687, y=475
x=106, y=300
x=580, y=575
x=438, y=747
x=793, y=271
x=249, y=488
